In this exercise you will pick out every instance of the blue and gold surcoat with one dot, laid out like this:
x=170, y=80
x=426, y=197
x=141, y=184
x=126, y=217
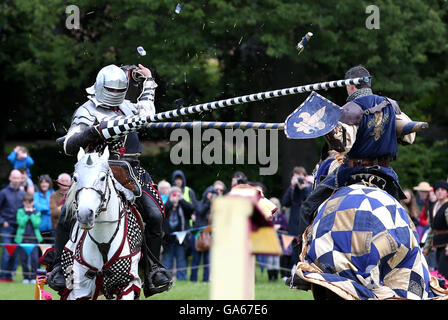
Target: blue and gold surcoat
x=376, y=136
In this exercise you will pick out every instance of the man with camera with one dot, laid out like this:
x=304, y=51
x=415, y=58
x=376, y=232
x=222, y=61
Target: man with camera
x=293, y=198
x=178, y=213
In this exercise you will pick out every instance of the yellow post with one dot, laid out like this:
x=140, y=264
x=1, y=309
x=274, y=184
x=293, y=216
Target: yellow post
x=232, y=274
x=40, y=282
x=37, y=291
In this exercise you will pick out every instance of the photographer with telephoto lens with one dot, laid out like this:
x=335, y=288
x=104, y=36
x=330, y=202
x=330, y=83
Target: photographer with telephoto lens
x=293, y=198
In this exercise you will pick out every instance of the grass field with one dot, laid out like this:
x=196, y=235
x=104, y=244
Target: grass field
x=182, y=290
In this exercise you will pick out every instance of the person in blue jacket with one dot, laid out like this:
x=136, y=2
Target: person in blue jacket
x=42, y=204
x=19, y=158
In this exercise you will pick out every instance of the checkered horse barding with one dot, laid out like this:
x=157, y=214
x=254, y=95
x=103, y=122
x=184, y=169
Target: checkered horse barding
x=362, y=245
x=103, y=253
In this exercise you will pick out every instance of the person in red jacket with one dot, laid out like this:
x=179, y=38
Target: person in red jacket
x=426, y=200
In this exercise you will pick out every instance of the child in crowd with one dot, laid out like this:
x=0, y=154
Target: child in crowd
x=26, y=184
x=42, y=203
x=19, y=158
x=164, y=190
x=28, y=222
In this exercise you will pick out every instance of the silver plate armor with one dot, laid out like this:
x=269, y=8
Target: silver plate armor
x=93, y=111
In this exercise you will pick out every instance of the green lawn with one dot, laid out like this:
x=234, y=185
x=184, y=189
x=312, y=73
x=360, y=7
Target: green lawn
x=264, y=290
x=182, y=290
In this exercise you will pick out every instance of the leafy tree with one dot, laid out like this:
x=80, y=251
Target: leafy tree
x=218, y=49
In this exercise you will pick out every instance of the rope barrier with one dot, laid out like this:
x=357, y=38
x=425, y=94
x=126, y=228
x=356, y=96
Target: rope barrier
x=171, y=270
x=208, y=265
x=28, y=273
x=7, y=235
x=172, y=233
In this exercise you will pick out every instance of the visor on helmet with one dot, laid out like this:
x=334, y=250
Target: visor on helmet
x=110, y=86
x=115, y=90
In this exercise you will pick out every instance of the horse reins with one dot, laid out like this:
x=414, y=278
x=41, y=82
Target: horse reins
x=105, y=247
x=102, y=247
x=103, y=204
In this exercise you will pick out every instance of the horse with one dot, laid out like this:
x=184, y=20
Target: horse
x=363, y=245
x=104, y=250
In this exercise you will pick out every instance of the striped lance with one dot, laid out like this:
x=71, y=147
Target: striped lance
x=122, y=125
x=217, y=125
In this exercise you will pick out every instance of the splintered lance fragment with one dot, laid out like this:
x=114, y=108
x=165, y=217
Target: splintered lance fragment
x=141, y=51
x=301, y=45
x=178, y=8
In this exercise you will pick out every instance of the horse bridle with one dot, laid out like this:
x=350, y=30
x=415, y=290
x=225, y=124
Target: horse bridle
x=104, y=201
x=103, y=247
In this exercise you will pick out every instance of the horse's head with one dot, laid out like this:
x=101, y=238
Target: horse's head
x=92, y=174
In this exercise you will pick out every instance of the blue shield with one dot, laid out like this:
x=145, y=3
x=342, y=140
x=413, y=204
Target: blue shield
x=315, y=117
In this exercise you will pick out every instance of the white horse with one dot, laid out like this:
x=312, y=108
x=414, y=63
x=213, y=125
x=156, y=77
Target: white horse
x=104, y=250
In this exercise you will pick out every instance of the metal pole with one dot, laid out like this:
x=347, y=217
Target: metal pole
x=254, y=97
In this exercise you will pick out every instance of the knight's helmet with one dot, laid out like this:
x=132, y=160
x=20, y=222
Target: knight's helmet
x=110, y=86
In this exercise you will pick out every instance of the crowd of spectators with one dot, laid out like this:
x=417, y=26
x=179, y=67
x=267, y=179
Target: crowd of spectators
x=185, y=212
x=29, y=214
x=427, y=207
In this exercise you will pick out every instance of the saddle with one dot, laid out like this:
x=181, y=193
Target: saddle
x=374, y=176
x=125, y=175
x=150, y=265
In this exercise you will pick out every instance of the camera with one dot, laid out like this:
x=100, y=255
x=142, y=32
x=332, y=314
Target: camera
x=241, y=180
x=301, y=180
x=214, y=193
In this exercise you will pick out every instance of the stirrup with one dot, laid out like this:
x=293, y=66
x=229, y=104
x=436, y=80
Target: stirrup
x=56, y=279
x=152, y=289
x=298, y=283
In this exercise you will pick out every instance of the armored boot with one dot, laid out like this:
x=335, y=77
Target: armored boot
x=157, y=278
x=295, y=282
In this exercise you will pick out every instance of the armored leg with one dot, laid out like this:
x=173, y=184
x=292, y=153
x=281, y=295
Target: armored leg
x=63, y=229
x=307, y=212
x=152, y=216
x=311, y=204
x=159, y=279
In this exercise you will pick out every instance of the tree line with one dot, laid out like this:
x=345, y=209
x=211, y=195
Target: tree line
x=218, y=49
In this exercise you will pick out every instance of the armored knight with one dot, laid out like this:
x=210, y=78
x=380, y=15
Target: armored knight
x=363, y=144
x=126, y=91
x=367, y=138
